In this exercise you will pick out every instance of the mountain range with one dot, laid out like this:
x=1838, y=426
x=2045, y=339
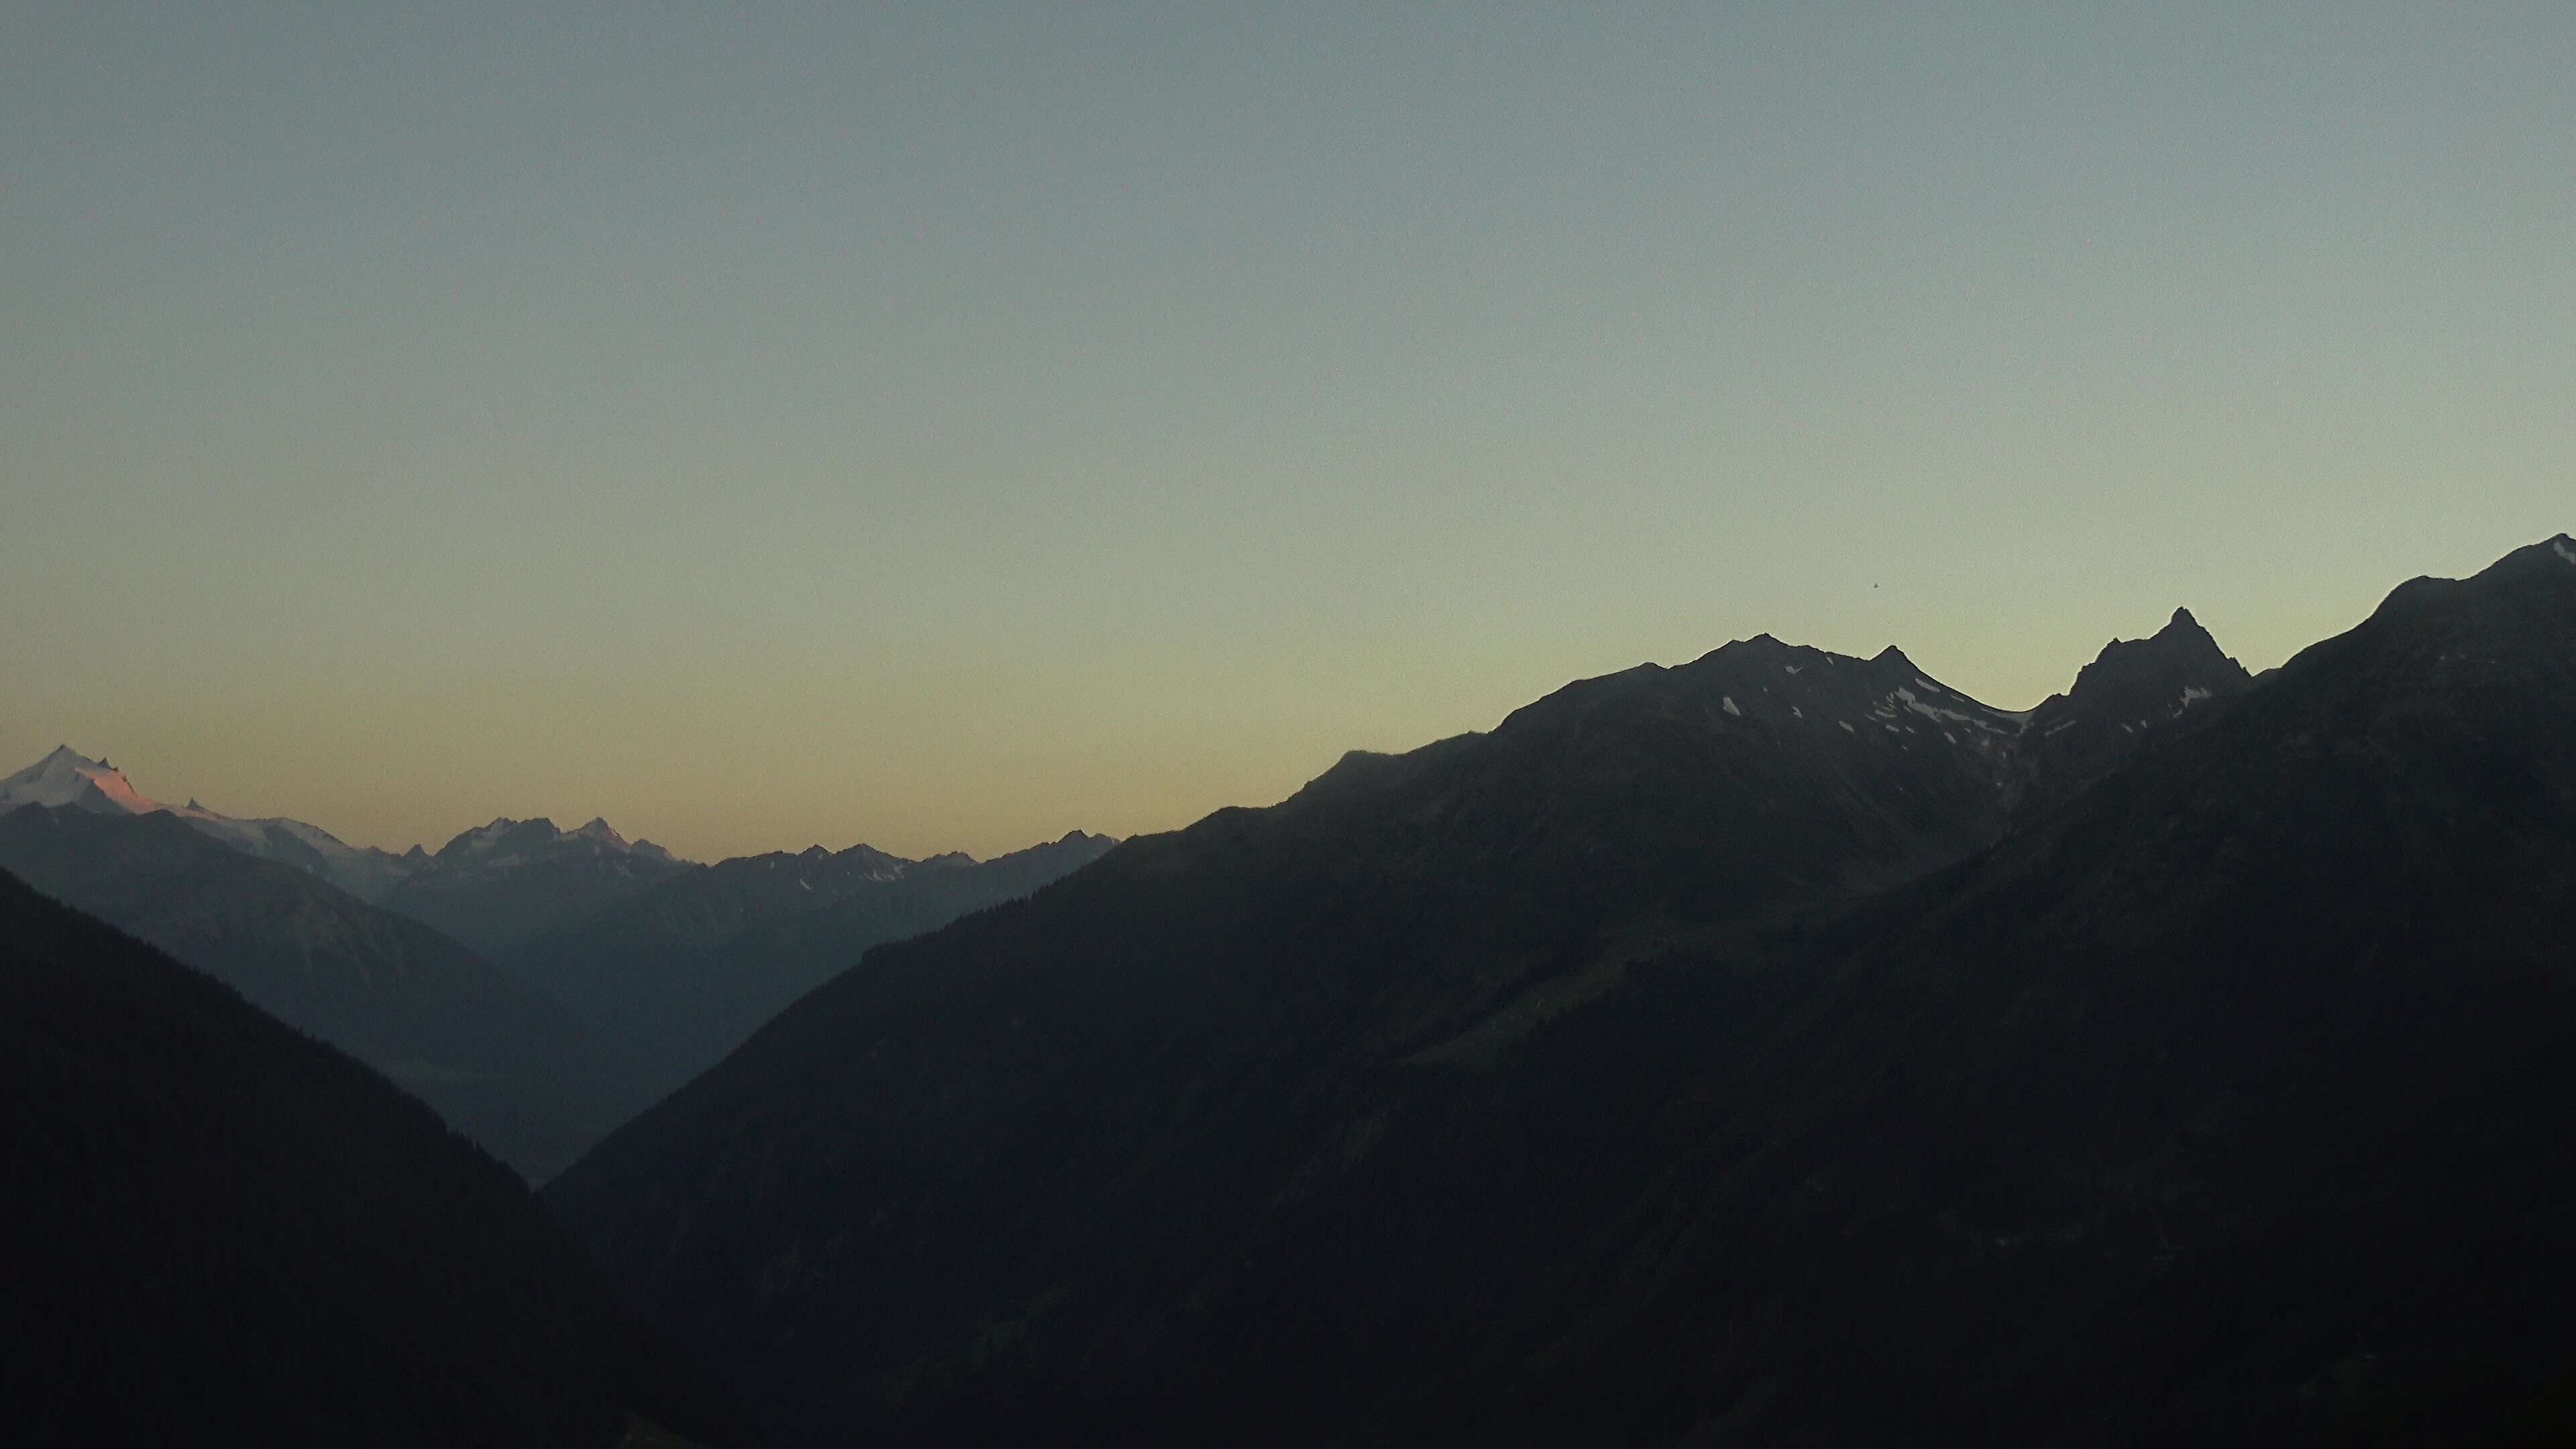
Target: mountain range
x=492, y=886
x=1780, y=1048
x=1783, y=1048
x=536, y=986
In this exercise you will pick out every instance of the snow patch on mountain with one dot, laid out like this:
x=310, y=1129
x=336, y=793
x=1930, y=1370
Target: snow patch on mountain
x=68, y=778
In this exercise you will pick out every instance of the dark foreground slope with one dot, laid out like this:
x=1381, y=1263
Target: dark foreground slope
x=504, y=1062
x=1570, y=1084
x=219, y=1231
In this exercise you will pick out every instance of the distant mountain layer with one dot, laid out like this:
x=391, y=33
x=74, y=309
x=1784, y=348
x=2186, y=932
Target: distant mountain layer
x=220, y=1232
x=66, y=779
x=506, y=1063
x=1780, y=1049
x=673, y=978
x=503, y=884
x=625, y=970
x=492, y=887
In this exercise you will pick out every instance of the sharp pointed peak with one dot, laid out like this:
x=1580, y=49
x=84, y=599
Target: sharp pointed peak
x=59, y=759
x=2182, y=648
x=2185, y=625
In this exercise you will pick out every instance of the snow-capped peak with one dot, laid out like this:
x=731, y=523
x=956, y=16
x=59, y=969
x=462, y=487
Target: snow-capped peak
x=67, y=777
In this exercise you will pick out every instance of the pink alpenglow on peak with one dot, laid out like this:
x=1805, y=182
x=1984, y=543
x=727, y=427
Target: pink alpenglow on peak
x=67, y=777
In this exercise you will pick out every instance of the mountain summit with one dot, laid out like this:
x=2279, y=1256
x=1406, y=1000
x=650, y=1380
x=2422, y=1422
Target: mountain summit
x=2133, y=690
x=68, y=778
x=2165, y=673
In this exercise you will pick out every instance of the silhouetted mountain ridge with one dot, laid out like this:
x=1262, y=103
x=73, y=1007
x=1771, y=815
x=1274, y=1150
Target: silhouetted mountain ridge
x=1711, y=1055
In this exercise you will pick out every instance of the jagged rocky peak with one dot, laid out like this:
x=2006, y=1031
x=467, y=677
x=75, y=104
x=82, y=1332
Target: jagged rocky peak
x=1764, y=689
x=2134, y=689
x=496, y=838
x=505, y=838
x=2141, y=681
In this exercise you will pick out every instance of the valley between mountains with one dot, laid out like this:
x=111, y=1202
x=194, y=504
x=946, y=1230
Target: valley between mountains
x=537, y=986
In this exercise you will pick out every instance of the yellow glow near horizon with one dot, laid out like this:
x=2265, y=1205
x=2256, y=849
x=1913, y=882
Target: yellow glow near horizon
x=949, y=429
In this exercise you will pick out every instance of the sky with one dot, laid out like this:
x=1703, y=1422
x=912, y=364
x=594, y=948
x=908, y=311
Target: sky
x=949, y=425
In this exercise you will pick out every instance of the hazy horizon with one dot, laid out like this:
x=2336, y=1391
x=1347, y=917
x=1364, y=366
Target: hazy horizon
x=946, y=427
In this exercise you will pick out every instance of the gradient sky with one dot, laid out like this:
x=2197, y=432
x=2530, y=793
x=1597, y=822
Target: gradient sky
x=948, y=425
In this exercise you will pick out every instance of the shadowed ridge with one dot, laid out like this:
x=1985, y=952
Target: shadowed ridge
x=1570, y=1085
x=221, y=1231
x=501, y=1059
